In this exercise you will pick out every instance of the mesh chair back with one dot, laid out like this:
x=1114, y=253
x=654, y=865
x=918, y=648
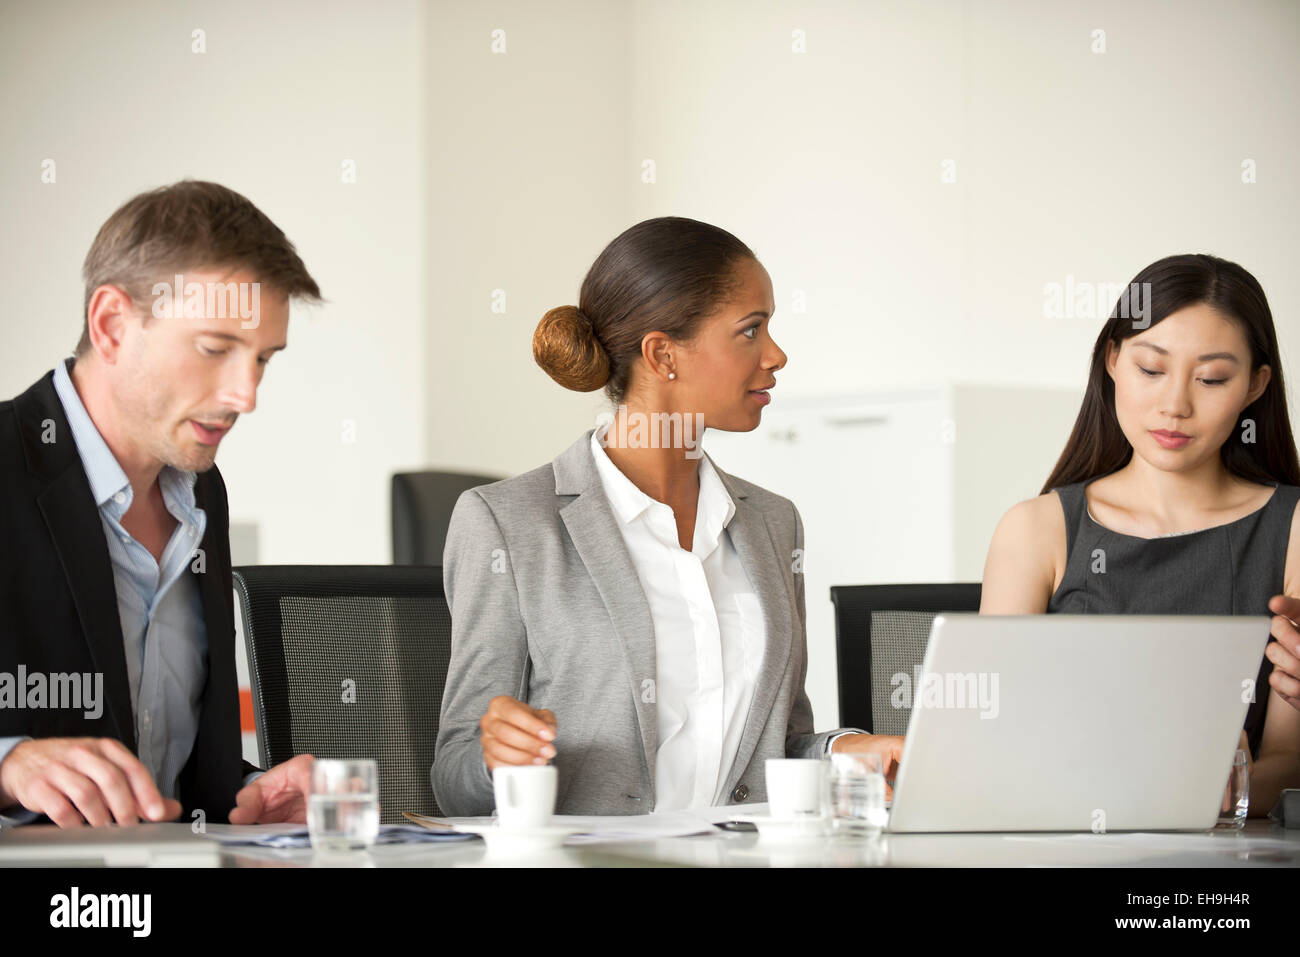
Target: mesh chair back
x=422, y=505
x=349, y=661
x=881, y=631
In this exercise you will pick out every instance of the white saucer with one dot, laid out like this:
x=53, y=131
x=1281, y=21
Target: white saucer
x=787, y=829
x=520, y=841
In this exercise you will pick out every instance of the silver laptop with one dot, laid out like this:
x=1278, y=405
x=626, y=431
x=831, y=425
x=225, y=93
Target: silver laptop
x=1074, y=722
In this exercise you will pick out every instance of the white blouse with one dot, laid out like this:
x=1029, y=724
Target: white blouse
x=709, y=632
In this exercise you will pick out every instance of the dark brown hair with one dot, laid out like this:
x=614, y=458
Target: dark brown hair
x=189, y=225
x=661, y=275
x=1098, y=447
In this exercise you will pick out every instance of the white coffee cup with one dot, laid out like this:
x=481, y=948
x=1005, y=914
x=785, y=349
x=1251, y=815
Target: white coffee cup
x=797, y=788
x=525, y=795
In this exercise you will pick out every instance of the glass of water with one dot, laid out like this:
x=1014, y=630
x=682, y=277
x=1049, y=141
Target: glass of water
x=343, y=806
x=857, y=794
x=1236, y=797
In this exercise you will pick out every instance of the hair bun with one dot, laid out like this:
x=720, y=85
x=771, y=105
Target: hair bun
x=566, y=347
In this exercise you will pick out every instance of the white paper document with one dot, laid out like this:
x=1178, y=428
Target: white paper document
x=599, y=828
x=296, y=835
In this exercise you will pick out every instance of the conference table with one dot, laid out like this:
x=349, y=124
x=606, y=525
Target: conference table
x=1261, y=843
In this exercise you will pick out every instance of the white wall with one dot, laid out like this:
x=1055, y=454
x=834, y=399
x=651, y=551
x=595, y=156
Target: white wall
x=1067, y=162
x=828, y=163
x=527, y=171
x=285, y=92
x=1005, y=442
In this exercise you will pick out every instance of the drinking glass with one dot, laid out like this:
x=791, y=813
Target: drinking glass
x=343, y=804
x=1236, y=796
x=857, y=793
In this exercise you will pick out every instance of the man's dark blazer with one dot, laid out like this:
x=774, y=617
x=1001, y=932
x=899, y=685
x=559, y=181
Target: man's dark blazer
x=58, y=603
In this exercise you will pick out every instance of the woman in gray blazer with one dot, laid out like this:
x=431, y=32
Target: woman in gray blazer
x=629, y=612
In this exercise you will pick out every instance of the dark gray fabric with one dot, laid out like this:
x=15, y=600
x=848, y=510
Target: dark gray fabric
x=422, y=505
x=1231, y=569
x=898, y=640
x=350, y=661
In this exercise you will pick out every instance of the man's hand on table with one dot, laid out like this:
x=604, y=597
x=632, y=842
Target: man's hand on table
x=76, y=781
x=277, y=797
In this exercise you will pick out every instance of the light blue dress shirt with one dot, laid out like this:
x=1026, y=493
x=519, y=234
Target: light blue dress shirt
x=159, y=605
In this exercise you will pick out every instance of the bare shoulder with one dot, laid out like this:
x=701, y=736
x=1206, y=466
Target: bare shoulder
x=1033, y=523
x=1026, y=558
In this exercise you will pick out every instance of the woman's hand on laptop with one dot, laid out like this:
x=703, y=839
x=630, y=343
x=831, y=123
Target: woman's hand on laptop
x=1285, y=652
x=888, y=746
x=513, y=733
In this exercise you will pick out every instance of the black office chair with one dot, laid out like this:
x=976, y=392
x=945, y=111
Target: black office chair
x=349, y=661
x=881, y=631
x=422, y=503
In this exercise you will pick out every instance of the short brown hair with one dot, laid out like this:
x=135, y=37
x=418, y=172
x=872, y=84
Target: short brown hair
x=187, y=226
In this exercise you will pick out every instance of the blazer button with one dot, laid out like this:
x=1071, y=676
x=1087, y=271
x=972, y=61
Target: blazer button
x=741, y=792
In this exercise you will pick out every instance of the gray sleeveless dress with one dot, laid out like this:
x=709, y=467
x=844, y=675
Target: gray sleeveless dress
x=1231, y=569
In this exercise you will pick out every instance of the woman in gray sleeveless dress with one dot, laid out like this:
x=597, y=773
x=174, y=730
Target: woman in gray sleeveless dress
x=1177, y=490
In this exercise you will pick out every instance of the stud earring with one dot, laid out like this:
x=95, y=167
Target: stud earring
x=672, y=375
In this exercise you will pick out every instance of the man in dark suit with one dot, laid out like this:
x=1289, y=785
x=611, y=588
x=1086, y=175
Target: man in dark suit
x=118, y=695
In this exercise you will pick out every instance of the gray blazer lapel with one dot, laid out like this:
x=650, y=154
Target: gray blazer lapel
x=766, y=565
x=594, y=530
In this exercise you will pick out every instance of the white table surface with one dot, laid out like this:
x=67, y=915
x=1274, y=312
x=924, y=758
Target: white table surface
x=1259, y=844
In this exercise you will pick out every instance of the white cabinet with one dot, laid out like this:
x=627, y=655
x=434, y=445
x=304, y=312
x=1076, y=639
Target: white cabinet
x=896, y=487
